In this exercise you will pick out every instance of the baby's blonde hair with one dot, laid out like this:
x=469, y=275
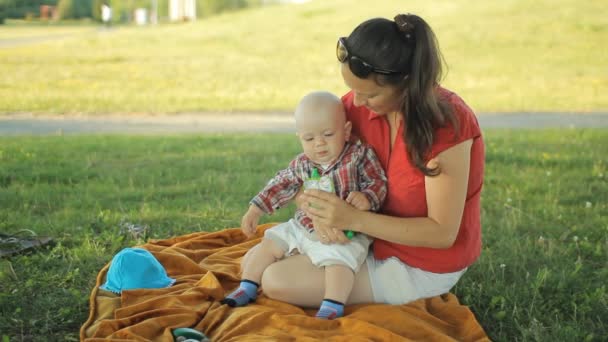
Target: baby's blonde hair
x=320, y=102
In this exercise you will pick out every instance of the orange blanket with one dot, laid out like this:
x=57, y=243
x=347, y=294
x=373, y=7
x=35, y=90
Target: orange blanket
x=206, y=266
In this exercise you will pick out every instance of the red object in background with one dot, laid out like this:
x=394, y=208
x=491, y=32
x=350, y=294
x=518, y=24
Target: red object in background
x=47, y=12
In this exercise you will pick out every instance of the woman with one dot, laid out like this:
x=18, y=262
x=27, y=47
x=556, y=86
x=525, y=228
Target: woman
x=430, y=146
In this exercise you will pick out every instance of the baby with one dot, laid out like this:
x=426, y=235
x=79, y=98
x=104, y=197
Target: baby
x=357, y=177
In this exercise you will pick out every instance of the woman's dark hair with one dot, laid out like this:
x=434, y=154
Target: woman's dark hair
x=409, y=45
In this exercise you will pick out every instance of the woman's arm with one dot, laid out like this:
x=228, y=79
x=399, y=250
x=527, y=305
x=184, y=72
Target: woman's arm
x=445, y=195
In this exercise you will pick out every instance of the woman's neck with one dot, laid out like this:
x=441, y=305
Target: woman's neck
x=394, y=119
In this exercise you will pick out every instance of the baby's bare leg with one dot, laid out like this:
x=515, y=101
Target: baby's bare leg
x=264, y=254
x=339, y=281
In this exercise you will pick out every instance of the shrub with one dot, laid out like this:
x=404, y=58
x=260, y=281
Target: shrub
x=22, y=8
x=75, y=9
x=6, y=6
x=96, y=10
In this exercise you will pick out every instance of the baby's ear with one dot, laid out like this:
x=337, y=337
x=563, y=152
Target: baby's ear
x=348, y=127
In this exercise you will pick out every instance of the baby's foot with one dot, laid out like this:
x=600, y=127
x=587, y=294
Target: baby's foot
x=246, y=293
x=330, y=309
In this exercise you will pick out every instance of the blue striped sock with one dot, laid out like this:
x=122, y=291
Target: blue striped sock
x=246, y=293
x=330, y=309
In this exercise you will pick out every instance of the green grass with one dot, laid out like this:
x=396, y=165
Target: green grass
x=541, y=277
x=508, y=55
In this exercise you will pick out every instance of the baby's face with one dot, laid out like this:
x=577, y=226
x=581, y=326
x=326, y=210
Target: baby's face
x=322, y=137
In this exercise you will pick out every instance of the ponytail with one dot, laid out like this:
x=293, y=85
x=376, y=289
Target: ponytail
x=423, y=111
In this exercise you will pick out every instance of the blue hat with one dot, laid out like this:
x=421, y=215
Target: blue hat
x=135, y=268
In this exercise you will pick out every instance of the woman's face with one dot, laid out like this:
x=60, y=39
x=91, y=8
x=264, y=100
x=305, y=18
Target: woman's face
x=379, y=99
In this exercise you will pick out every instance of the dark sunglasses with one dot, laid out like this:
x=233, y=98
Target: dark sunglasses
x=358, y=66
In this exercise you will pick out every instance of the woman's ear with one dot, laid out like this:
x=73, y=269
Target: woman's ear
x=348, y=127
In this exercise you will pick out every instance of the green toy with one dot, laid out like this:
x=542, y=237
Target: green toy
x=323, y=183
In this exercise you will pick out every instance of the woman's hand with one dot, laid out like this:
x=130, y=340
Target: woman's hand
x=329, y=236
x=330, y=215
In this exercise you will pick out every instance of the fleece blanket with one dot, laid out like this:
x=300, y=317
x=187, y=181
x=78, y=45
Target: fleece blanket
x=206, y=266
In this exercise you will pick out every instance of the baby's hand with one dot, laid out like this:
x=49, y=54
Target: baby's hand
x=249, y=222
x=358, y=200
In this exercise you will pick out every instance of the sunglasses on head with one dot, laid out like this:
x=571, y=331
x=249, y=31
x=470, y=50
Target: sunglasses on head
x=358, y=66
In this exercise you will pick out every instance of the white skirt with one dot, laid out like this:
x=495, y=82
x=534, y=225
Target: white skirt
x=394, y=282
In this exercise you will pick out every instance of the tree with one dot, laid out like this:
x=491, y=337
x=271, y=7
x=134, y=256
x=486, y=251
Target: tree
x=65, y=9
x=5, y=7
x=97, y=8
x=75, y=9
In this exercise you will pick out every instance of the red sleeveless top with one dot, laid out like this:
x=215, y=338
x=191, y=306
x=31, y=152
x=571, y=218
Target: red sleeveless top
x=406, y=187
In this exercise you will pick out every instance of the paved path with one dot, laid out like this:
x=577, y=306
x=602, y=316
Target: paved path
x=30, y=40
x=261, y=122
x=11, y=42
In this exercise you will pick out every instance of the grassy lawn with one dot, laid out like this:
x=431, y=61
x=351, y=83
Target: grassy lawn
x=541, y=277
x=508, y=55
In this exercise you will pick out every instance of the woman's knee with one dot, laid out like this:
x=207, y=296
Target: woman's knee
x=275, y=283
x=294, y=280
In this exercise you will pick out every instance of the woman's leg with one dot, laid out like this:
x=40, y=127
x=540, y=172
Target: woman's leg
x=297, y=281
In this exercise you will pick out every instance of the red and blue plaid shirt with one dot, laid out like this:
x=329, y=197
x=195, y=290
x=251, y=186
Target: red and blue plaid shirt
x=356, y=169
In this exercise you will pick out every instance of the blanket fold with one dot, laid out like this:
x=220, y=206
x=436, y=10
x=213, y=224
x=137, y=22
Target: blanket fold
x=206, y=266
